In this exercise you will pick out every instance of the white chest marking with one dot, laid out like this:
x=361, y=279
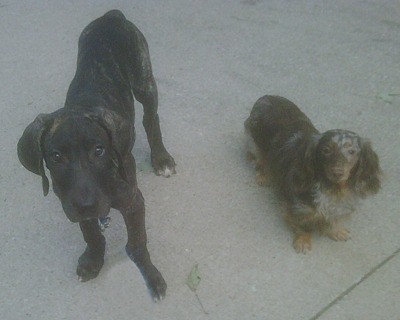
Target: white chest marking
x=331, y=205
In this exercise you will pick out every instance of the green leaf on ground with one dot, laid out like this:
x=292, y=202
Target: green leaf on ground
x=387, y=96
x=194, y=278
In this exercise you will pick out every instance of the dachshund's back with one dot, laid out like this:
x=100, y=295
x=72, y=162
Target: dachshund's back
x=274, y=119
x=278, y=133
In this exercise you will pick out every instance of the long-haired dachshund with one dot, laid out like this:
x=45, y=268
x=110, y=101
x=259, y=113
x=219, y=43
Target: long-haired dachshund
x=319, y=176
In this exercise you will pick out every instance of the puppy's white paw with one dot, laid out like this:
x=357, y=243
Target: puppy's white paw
x=166, y=172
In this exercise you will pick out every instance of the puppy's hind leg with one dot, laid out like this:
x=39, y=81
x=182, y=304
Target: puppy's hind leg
x=161, y=160
x=92, y=260
x=145, y=91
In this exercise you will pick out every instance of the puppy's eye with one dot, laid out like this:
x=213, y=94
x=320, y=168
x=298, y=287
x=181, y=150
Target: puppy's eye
x=99, y=151
x=56, y=156
x=351, y=151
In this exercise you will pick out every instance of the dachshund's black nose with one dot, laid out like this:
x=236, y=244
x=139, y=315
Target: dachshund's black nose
x=337, y=173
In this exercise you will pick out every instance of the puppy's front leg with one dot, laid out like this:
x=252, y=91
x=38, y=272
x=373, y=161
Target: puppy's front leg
x=92, y=260
x=137, y=250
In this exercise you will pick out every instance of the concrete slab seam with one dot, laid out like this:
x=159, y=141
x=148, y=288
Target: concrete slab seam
x=352, y=287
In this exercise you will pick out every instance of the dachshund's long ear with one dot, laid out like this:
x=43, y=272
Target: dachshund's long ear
x=116, y=128
x=29, y=147
x=367, y=174
x=305, y=173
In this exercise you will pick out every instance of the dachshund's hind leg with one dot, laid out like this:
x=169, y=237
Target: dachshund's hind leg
x=255, y=154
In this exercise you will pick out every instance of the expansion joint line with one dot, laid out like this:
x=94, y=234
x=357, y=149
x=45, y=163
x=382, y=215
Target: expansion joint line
x=351, y=288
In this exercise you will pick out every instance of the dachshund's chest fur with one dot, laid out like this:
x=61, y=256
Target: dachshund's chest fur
x=330, y=204
x=325, y=204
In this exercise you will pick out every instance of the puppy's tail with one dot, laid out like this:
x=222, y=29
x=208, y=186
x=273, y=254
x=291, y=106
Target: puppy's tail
x=115, y=14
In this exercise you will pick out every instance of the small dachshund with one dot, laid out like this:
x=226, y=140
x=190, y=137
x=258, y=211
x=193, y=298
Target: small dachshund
x=319, y=176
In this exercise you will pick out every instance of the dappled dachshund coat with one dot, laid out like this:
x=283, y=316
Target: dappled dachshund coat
x=320, y=177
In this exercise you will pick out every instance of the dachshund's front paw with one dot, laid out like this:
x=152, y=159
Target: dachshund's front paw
x=339, y=235
x=302, y=243
x=262, y=179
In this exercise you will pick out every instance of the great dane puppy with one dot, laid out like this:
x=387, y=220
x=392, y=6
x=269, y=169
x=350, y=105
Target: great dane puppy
x=87, y=144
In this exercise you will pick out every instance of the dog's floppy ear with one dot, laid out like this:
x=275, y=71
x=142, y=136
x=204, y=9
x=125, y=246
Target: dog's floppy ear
x=116, y=128
x=29, y=147
x=303, y=172
x=367, y=173
x=310, y=156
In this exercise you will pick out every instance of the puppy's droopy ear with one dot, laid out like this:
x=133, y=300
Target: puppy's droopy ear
x=367, y=174
x=29, y=147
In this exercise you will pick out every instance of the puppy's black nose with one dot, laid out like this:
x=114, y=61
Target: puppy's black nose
x=84, y=202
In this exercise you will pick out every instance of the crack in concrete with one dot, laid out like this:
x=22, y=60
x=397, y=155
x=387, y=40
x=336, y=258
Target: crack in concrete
x=352, y=287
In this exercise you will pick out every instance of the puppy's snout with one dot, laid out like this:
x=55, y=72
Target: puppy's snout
x=84, y=201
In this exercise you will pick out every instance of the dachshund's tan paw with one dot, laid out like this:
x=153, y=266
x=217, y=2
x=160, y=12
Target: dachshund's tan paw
x=262, y=179
x=339, y=235
x=302, y=243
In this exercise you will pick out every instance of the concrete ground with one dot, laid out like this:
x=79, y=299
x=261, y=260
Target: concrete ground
x=338, y=60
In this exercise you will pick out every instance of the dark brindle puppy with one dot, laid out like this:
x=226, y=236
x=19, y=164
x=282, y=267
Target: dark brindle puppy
x=319, y=176
x=87, y=144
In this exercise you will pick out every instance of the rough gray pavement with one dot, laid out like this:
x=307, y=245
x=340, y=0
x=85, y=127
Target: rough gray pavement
x=212, y=60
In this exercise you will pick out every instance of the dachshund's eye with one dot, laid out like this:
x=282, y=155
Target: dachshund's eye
x=99, y=151
x=56, y=156
x=351, y=151
x=326, y=150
